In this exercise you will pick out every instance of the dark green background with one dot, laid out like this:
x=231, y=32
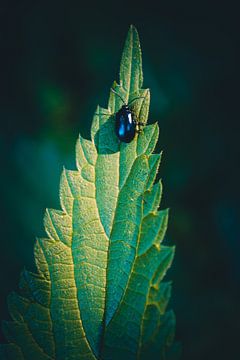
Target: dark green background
x=57, y=61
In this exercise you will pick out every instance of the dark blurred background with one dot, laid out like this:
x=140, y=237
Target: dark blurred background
x=57, y=61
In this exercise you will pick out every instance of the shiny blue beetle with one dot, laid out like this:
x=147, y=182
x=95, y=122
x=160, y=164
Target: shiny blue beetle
x=126, y=126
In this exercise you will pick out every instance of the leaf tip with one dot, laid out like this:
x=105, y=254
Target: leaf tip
x=133, y=29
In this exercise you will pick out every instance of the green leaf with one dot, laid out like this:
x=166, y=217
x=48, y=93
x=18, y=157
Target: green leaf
x=98, y=290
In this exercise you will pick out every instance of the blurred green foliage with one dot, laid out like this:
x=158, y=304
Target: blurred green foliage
x=57, y=63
